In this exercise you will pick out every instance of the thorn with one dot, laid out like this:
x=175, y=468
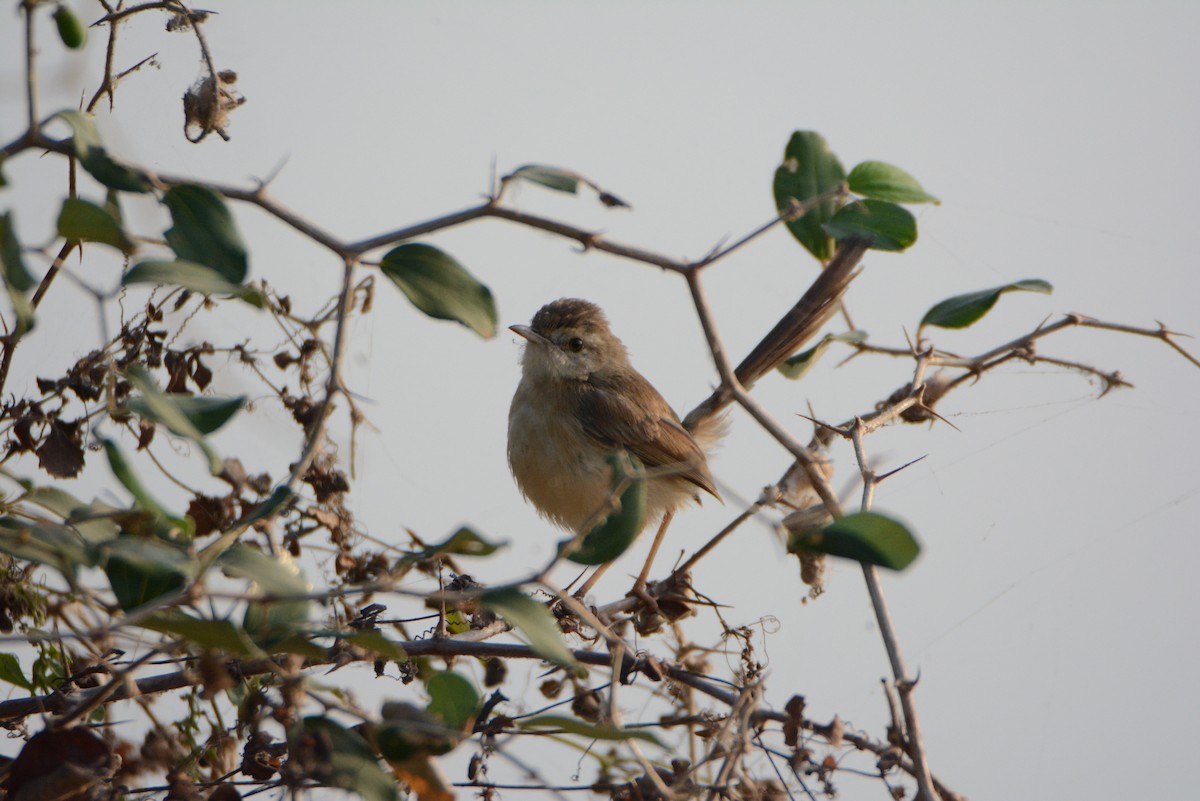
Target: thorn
x=1113, y=381
x=715, y=249
x=826, y=426
x=921, y=406
x=890, y=473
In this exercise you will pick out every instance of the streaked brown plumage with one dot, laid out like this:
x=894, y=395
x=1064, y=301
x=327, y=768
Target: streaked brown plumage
x=578, y=401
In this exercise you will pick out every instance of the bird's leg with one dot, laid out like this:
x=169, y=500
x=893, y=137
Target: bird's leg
x=639, y=586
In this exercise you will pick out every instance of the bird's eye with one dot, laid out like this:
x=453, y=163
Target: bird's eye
x=575, y=344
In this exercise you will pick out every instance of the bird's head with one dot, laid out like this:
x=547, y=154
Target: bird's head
x=569, y=340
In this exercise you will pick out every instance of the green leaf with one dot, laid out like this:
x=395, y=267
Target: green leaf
x=297, y=642
x=16, y=278
x=875, y=179
x=270, y=621
x=204, y=231
x=192, y=418
x=88, y=222
x=23, y=311
x=190, y=275
x=961, y=311
x=218, y=636
x=278, y=499
x=142, y=569
x=612, y=536
x=205, y=415
x=143, y=499
x=439, y=286
x=409, y=732
x=809, y=169
x=865, y=537
x=208, y=414
x=350, y=763
x=534, y=621
x=112, y=204
x=95, y=159
x=274, y=575
x=15, y=274
x=10, y=671
x=464, y=542
x=93, y=521
x=70, y=29
x=796, y=367
x=551, y=177
x=454, y=699
x=589, y=730
x=376, y=642
x=45, y=544
x=885, y=225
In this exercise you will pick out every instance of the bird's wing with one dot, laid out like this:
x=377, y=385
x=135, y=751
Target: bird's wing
x=651, y=431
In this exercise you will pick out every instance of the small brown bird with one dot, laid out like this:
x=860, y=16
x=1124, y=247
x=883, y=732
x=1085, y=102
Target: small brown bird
x=580, y=400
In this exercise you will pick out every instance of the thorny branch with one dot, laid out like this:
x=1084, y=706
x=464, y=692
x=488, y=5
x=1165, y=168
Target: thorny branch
x=809, y=315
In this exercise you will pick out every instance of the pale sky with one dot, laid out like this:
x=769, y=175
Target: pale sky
x=1052, y=615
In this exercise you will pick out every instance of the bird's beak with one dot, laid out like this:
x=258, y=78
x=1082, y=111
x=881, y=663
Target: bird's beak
x=530, y=334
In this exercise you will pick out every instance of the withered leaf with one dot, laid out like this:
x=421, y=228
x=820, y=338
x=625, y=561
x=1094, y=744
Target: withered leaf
x=177, y=365
x=201, y=375
x=326, y=481
x=145, y=434
x=23, y=434
x=211, y=514
x=795, y=713
x=61, y=453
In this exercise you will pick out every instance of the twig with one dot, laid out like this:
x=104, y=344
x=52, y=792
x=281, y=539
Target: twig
x=716, y=539
x=913, y=738
x=31, y=81
x=333, y=384
x=795, y=210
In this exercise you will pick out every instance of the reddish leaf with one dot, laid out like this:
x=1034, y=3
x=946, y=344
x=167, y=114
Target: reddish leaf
x=66, y=765
x=423, y=778
x=262, y=757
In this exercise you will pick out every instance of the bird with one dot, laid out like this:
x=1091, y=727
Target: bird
x=579, y=400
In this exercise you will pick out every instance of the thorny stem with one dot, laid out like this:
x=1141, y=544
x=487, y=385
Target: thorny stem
x=887, y=630
x=94, y=700
x=31, y=81
x=333, y=384
x=820, y=484
x=715, y=540
x=10, y=341
x=114, y=16
x=350, y=252
x=733, y=738
x=455, y=645
x=107, y=84
x=796, y=210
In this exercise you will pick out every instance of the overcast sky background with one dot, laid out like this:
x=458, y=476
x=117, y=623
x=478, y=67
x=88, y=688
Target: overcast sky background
x=1053, y=613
